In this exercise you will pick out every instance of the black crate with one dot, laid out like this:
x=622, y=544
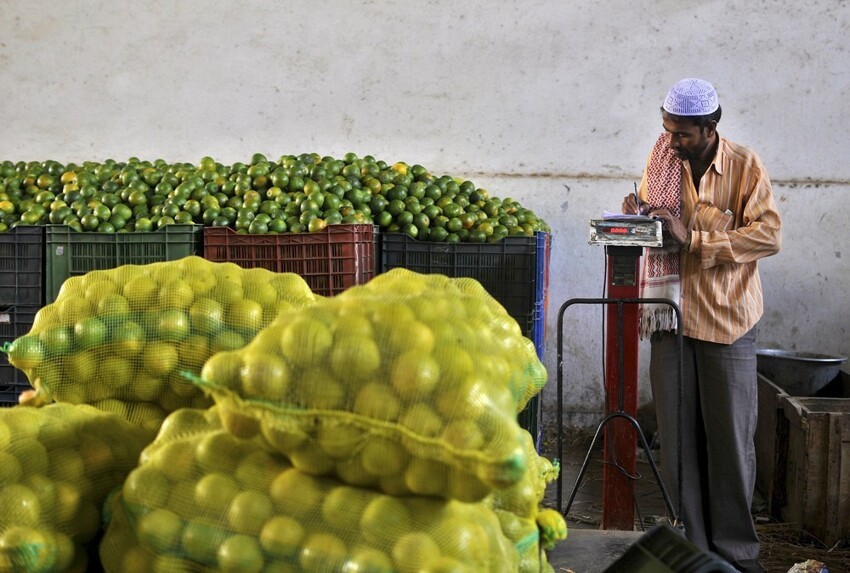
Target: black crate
x=22, y=266
x=512, y=270
x=15, y=321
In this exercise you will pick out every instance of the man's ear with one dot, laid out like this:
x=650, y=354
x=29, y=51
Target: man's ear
x=711, y=128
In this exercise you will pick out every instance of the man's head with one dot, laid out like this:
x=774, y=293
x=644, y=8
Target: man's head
x=690, y=114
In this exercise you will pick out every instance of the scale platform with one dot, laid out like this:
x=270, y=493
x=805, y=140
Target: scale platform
x=626, y=231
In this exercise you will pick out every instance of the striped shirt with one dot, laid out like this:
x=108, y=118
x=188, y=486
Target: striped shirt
x=733, y=222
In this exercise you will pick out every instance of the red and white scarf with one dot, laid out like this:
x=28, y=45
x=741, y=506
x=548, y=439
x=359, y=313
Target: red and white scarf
x=660, y=276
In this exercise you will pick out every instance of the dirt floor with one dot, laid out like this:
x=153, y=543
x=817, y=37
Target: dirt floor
x=782, y=546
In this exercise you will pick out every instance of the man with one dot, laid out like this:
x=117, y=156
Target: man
x=716, y=205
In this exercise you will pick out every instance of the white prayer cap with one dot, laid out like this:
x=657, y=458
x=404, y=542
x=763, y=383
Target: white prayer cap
x=690, y=97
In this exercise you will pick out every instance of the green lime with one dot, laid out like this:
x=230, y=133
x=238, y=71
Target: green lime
x=438, y=234
x=384, y=219
x=404, y=218
x=410, y=230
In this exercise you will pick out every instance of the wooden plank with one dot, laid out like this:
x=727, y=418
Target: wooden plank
x=836, y=522
x=766, y=438
x=817, y=473
x=791, y=511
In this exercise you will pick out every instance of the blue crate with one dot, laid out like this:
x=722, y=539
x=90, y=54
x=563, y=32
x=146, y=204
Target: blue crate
x=538, y=328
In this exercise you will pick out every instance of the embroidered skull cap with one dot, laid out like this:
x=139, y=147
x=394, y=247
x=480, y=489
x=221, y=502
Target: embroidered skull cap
x=690, y=97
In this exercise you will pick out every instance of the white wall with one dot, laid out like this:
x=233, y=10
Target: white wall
x=552, y=102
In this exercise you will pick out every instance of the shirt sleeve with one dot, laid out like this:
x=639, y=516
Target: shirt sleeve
x=758, y=232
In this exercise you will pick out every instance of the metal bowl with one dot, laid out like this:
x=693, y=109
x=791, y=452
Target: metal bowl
x=798, y=373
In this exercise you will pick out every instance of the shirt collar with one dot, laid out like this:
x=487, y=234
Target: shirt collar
x=717, y=162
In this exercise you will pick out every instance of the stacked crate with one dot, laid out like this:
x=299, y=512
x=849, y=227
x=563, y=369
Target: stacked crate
x=21, y=295
x=514, y=270
x=69, y=253
x=330, y=260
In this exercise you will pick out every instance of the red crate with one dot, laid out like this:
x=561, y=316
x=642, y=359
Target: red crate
x=330, y=260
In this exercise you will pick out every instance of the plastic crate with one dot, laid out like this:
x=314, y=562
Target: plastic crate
x=514, y=271
x=541, y=307
x=509, y=269
x=538, y=330
x=21, y=266
x=15, y=321
x=69, y=253
x=529, y=420
x=330, y=260
x=663, y=549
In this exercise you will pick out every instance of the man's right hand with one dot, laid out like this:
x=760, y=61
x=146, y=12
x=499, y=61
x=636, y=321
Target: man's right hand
x=630, y=206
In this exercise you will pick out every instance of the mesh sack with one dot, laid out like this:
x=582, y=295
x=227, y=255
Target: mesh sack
x=524, y=497
x=204, y=500
x=525, y=536
x=519, y=509
x=57, y=466
x=552, y=527
x=409, y=384
x=120, y=338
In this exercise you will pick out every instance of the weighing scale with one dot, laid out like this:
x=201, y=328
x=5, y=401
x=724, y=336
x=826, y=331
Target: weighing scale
x=624, y=238
x=626, y=231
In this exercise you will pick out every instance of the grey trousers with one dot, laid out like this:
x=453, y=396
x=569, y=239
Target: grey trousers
x=719, y=410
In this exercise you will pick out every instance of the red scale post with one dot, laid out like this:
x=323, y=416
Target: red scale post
x=621, y=366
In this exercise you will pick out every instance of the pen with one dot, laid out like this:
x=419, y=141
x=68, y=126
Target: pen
x=637, y=201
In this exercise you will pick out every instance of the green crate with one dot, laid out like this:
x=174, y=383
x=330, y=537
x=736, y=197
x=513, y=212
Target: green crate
x=69, y=253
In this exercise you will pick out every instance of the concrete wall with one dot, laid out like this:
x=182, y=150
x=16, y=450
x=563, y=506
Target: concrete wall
x=552, y=102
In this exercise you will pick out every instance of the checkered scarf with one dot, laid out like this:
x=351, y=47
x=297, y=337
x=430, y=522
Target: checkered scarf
x=660, y=276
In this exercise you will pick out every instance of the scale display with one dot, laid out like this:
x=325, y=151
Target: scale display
x=633, y=231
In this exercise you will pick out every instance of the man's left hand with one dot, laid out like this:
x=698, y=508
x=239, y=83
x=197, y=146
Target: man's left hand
x=675, y=227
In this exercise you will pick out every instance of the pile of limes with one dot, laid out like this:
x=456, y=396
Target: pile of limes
x=524, y=521
x=57, y=466
x=410, y=384
x=296, y=193
x=123, y=339
x=201, y=497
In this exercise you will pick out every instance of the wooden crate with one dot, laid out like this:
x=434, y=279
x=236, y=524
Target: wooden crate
x=768, y=437
x=816, y=481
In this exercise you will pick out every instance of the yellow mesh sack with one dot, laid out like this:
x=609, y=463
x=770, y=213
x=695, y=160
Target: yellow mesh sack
x=120, y=338
x=524, y=497
x=204, y=500
x=519, y=509
x=530, y=375
x=524, y=534
x=409, y=384
x=57, y=466
x=552, y=527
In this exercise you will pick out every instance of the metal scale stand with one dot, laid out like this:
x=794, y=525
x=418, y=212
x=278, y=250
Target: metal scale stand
x=624, y=240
